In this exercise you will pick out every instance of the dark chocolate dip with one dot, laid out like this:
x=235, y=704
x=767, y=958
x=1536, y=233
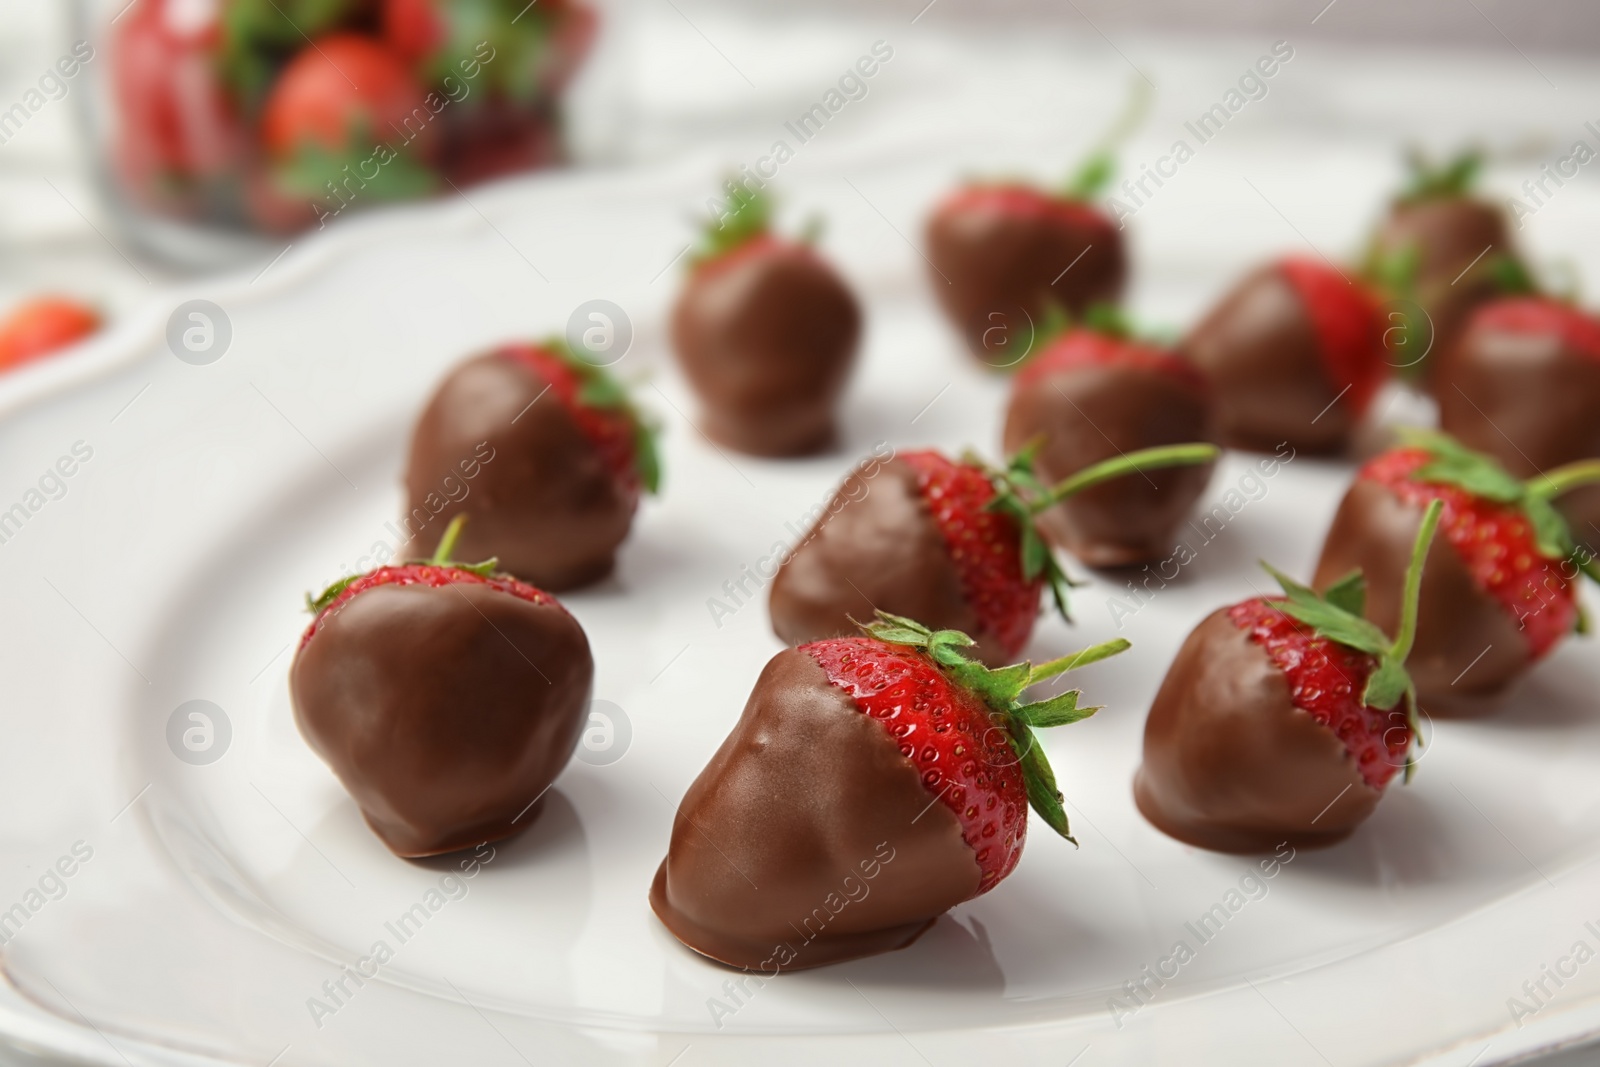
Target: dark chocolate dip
x=808, y=839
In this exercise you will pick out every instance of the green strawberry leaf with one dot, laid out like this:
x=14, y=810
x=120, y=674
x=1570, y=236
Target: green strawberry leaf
x=1335, y=616
x=1040, y=781
x=1000, y=689
x=747, y=215
x=1349, y=593
x=1452, y=463
x=1430, y=180
x=1056, y=711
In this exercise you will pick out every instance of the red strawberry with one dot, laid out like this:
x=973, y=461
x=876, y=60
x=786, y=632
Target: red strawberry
x=1095, y=393
x=347, y=122
x=1004, y=255
x=551, y=481
x=1527, y=370
x=766, y=333
x=1294, y=354
x=871, y=784
x=524, y=53
x=1282, y=719
x=180, y=144
x=956, y=541
x=382, y=676
x=1500, y=591
x=40, y=326
x=1440, y=253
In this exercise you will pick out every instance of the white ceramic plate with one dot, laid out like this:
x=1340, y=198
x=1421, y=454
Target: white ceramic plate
x=217, y=899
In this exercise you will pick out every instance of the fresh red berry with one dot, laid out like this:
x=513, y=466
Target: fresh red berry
x=178, y=136
x=1345, y=316
x=1497, y=544
x=1326, y=680
x=961, y=752
x=40, y=327
x=340, y=97
x=986, y=547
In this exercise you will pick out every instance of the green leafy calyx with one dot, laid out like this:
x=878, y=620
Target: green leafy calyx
x=1001, y=690
x=1337, y=616
x=1433, y=180
x=746, y=214
x=1452, y=463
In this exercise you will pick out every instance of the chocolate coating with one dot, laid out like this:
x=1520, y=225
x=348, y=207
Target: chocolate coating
x=1531, y=401
x=1260, y=351
x=1093, y=413
x=444, y=711
x=1456, y=620
x=1230, y=764
x=875, y=546
x=767, y=337
x=1448, y=233
x=543, y=501
x=803, y=799
x=992, y=265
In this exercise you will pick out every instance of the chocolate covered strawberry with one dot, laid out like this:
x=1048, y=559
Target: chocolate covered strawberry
x=957, y=542
x=1004, y=254
x=766, y=333
x=872, y=783
x=347, y=122
x=1439, y=253
x=1294, y=354
x=1523, y=385
x=445, y=697
x=1282, y=719
x=544, y=451
x=1094, y=393
x=1500, y=590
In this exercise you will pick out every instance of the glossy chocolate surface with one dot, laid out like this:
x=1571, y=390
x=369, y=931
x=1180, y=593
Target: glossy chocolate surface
x=1230, y=764
x=1269, y=384
x=997, y=273
x=445, y=711
x=808, y=839
x=1093, y=413
x=876, y=546
x=1469, y=649
x=1532, y=402
x=767, y=337
x=1456, y=241
x=542, y=498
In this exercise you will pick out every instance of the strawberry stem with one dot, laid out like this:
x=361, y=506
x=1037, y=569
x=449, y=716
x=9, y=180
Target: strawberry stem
x=1128, y=463
x=1406, y=634
x=1074, y=660
x=1551, y=484
x=1096, y=171
x=447, y=543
